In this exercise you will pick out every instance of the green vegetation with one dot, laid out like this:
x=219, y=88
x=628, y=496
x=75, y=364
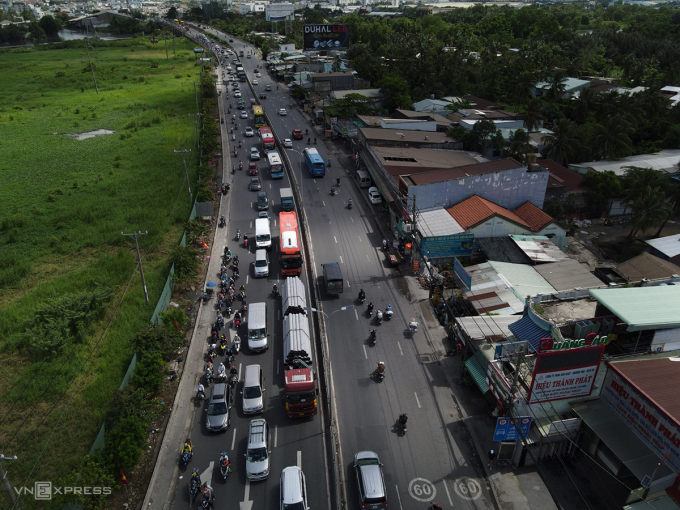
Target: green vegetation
x=70, y=291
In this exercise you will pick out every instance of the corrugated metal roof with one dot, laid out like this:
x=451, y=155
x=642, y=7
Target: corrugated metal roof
x=662, y=503
x=665, y=161
x=539, y=248
x=669, y=245
x=476, y=366
x=569, y=274
x=647, y=266
x=485, y=326
x=654, y=377
x=643, y=307
x=438, y=222
x=526, y=330
x=490, y=294
x=523, y=280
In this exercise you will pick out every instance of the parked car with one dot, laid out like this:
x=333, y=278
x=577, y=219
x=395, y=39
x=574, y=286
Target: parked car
x=374, y=195
x=297, y=134
x=252, y=169
x=254, y=154
x=283, y=112
x=255, y=184
x=288, y=143
x=249, y=131
x=368, y=469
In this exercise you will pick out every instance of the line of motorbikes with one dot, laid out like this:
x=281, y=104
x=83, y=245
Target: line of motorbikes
x=196, y=486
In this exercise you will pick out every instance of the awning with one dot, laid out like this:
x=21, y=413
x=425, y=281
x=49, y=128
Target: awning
x=525, y=330
x=476, y=366
x=623, y=442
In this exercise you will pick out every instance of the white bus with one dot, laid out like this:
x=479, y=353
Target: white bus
x=275, y=165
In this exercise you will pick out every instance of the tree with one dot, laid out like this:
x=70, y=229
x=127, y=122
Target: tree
x=50, y=25
x=601, y=186
x=562, y=145
x=397, y=92
x=533, y=115
x=649, y=209
x=613, y=137
x=519, y=144
x=557, y=85
x=482, y=136
x=521, y=87
x=172, y=13
x=350, y=106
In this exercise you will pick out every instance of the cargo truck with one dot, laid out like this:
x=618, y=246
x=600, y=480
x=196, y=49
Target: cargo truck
x=300, y=393
x=287, y=203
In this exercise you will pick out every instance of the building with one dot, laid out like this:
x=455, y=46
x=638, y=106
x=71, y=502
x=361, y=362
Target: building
x=327, y=82
x=443, y=124
x=672, y=93
x=519, y=249
x=666, y=248
x=665, y=161
x=279, y=12
x=434, y=105
x=563, y=184
x=644, y=267
x=571, y=87
x=99, y=19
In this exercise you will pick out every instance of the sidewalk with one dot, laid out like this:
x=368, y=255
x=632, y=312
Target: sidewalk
x=513, y=488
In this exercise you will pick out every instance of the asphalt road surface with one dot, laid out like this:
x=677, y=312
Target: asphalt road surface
x=434, y=461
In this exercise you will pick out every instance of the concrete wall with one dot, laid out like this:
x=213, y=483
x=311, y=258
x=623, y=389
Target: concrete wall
x=509, y=189
x=500, y=227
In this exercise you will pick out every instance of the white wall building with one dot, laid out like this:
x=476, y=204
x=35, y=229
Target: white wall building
x=279, y=12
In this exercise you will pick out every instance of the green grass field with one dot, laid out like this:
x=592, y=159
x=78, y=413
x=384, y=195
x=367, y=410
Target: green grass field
x=63, y=205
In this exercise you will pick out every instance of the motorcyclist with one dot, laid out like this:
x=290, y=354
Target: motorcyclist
x=362, y=295
x=370, y=307
x=238, y=234
x=379, y=314
x=221, y=370
x=233, y=371
x=306, y=131
x=381, y=367
x=195, y=477
x=208, y=495
x=403, y=418
x=211, y=350
x=435, y=506
x=245, y=240
x=349, y=203
x=384, y=242
x=224, y=459
x=240, y=164
x=242, y=290
x=388, y=310
x=275, y=290
x=200, y=389
x=329, y=164
x=236, y=273
x=309, y=140
x=188, y=447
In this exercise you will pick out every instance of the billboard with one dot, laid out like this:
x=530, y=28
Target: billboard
x=565, y=374
x=325, y=37
x=512, y=429
x=455, y=245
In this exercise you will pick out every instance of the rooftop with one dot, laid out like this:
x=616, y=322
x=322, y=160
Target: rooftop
x=568, y=275
x=476, y=102
x=502, y=249
x=562, y=312
x=654, y=377
x=643, y=307
x=372, y=93
x=461, y=171
x=647, y=266
x=674, y=93
x=438, y=222
x=405, y=136
x=408, y=114
x=669, y=245
x=475, y=210
x=490, y=293
x=561, y=176
x=569, y=84
x=538, y=248
x=412, y=160
x=485, y=326
x=524, y=280
x=431, y=102
x=666, y=161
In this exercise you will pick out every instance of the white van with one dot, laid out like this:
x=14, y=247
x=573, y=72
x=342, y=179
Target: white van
x=257, y=327
x=257, y=458
x=363, y=179
x=263, y=234
x=253, y=390
x=261, y=263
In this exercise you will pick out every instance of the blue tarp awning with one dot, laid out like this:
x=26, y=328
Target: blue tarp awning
x=526, y=330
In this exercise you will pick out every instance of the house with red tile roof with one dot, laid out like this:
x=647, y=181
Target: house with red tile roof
x=483, y=218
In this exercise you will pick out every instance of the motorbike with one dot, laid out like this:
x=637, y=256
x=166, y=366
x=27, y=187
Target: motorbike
x=222, y=121
x=380, y=374
x=186, y=457
x=228, y=311
x=370, y=311
x=237, y=345
x=221, y=377
x=243, y=295
x=212, y=353
x=349, y=205
x=208, y=377
x=388, y=313
x=223, y=221
x=374, y=337
x=333, y=191
x=413, y=326
x=225, y=469
x=233, y=380
x=401, y=423
x=237, y=322
x=362, y=297
x=379, y=315
x=238, y=235
x=194, y=487
x=276, y=293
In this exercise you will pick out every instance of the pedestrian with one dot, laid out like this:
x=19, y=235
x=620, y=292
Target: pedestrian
x=459, y=347
x=492, y=459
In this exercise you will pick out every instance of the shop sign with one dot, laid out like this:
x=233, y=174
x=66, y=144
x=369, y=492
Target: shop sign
x=549, y=344
x=511, y=429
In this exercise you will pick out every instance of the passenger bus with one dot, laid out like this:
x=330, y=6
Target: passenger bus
x=314, y=162
x=275, y=165
x=289, y=243
x=268, y=141
x=258, y=115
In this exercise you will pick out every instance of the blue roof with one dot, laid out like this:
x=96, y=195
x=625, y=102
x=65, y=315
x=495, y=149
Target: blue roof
x=526, y=330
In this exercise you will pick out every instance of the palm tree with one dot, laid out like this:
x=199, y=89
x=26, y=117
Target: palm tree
x=519, y=144
x=583, y=105
x=563, y=143
x=649, y=209
x=613, y=138
x=533, y=115
x=672, y=189
x=521, y=87
x=557, y=85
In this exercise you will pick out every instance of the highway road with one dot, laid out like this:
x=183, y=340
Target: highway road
x=435, y=461
x=293, y=442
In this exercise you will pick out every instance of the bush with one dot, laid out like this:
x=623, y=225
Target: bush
x=149, y=373
x=95, y=473
x=175, y=318
x=124, y=442
x=187, y=263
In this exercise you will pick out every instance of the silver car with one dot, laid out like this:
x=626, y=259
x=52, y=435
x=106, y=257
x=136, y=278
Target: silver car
x=371, y=482
x=218, y=408
x=255, y=184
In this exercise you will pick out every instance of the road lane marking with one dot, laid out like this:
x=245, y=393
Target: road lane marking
x=365, y=353
x=400, y=351
x=399, y=497
x=448, y=494
x=276, y=435
x=343, y=263
x=336, y=239
x=299, y=458
x=417, y=401
x=247, y=276
x=359, y=238
x=239, y=371
x=233, y=440
x=367, y=258
x=421, y=489
x=356, y=314
x=467, y=488
x=324, y=203
x=251, y=223
x=351, y=219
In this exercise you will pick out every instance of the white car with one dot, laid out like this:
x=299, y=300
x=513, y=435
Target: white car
x=283, y=112
x=249, y=131
x=258, y=75
x=255, y=82
x=244, y=114
x=237, y=94
x=288, y=143
x=293, y=489
x=254, y=154
x=374, y=195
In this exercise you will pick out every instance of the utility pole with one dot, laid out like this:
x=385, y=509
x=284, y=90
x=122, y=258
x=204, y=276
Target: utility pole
x=139, y=259
x=198, y=114
x=6, y=484
x=191, y=198
x=165, y=39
